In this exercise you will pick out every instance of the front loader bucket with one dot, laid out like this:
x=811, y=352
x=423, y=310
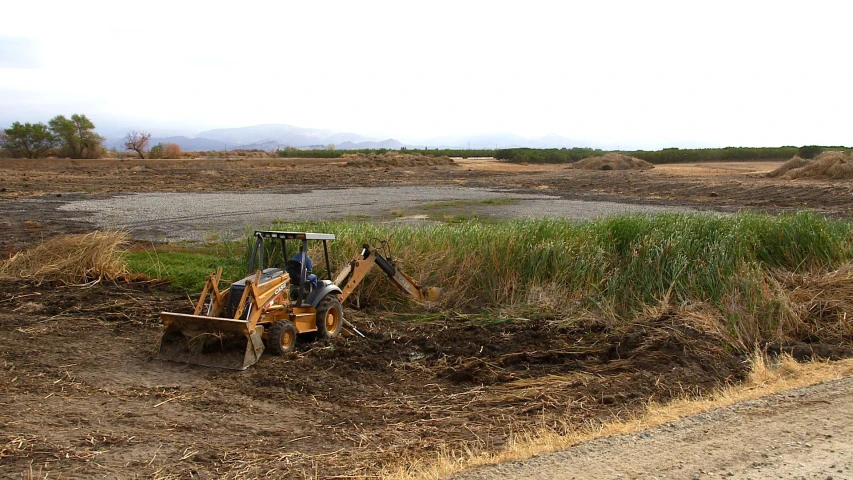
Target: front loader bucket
x=209, y=341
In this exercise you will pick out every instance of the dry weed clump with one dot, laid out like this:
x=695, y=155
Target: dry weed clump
x=822, y=303
x=826, y=166
x=394, y=159
x=70, y=260
x=805, y=307
x=172, y=150
x=612, y=161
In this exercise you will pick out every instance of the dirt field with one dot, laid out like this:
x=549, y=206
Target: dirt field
x=82, y=397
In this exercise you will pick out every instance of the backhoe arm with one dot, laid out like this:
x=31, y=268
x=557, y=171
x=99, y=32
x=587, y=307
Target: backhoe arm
x=354, y=272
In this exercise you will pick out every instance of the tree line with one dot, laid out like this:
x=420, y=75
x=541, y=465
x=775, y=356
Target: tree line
x=292, y=152
x=73, y=137
x=666, y=155
x=571, y=155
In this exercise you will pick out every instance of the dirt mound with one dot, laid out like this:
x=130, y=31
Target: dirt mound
x=826, y=166
x=612, y=161
x=394, y=159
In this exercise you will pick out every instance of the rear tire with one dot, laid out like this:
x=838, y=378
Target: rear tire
x=282, y=337
x=330, y=317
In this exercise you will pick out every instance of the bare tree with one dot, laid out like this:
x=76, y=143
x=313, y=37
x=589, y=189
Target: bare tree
x=137, y=141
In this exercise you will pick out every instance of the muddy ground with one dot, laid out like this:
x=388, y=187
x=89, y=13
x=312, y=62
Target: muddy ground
x=82, y=397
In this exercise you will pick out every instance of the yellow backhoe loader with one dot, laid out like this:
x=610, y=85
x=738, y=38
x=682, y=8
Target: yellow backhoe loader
x=271, y=306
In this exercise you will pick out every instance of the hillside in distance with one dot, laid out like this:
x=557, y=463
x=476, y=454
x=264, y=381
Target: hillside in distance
x=283, y=134
x=271, y=137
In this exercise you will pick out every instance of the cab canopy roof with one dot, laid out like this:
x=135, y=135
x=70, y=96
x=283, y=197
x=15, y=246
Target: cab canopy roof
x=294, y=235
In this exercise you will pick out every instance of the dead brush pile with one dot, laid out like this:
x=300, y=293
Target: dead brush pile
x=394, y=159
x=70, y=260
x=826, y=166
x=786, y=167
x=612, y=161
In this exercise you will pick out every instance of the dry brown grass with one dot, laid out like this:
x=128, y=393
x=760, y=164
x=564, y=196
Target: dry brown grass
x=765, y=378
x=826, y=166
x=791, y=164
x=820, y=303
x=393, y=159
x=612, y=161
x=711, y=169
x=70, y=260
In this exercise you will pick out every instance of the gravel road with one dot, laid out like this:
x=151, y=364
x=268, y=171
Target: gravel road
x=805, y=433
x=195, y=216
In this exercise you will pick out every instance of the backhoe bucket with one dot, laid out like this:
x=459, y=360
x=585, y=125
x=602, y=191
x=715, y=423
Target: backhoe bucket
x=209, y=341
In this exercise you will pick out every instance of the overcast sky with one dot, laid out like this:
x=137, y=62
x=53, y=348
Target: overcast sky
x=639, y=74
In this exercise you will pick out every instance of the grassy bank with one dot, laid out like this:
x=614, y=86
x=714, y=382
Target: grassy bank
x=737, y=271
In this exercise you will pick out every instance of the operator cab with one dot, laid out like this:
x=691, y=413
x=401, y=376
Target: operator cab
x=291, y=252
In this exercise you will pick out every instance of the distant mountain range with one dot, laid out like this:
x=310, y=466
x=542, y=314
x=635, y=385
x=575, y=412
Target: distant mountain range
x=278, y=136
x=501, y=140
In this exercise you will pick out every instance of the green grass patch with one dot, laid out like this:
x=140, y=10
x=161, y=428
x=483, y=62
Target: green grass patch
x=186, y=267
x=455, y=211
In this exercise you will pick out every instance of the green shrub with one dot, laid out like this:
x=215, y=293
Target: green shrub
x=157, y=151
x=809, y=151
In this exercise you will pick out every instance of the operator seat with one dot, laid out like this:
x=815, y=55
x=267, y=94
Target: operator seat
x=294, y=269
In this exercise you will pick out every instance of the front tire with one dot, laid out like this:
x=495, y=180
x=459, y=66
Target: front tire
x=330, y=317
x=282, y=337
